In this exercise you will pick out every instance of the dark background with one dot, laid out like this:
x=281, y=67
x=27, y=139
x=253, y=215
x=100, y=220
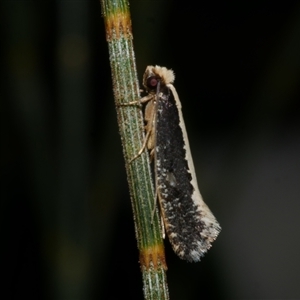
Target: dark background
x=66, y=221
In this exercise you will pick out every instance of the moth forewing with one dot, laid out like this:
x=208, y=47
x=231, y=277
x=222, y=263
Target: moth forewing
x=190, y=225
x=213, y=226
x=196, y=195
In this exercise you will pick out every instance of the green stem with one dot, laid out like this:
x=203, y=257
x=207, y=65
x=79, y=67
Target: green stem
x=131, y=126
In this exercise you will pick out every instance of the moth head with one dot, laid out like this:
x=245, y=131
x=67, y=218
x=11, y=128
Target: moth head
x=155, y=74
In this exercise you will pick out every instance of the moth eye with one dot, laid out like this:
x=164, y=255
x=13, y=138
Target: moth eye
x=152, y=82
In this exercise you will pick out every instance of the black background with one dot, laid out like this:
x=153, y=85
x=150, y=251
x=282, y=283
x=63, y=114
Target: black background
x=66, y=221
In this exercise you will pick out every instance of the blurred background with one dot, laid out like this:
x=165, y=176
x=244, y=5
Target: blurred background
x=66, y=223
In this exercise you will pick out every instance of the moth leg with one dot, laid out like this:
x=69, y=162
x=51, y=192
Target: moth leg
x=163, y=229
x=132, y=103
x=154, y=205
x=149, y=120
x=151, y=155
x=141, y=101
x=143, y=147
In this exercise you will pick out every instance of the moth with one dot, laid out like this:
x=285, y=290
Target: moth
x=189, y=223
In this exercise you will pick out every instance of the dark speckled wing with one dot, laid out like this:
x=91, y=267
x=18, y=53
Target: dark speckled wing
x=183, y=218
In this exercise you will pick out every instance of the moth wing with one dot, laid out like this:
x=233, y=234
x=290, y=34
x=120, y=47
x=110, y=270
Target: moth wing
x=190, y=225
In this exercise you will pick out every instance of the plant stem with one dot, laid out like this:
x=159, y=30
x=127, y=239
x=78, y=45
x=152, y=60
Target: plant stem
x=131, y=126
